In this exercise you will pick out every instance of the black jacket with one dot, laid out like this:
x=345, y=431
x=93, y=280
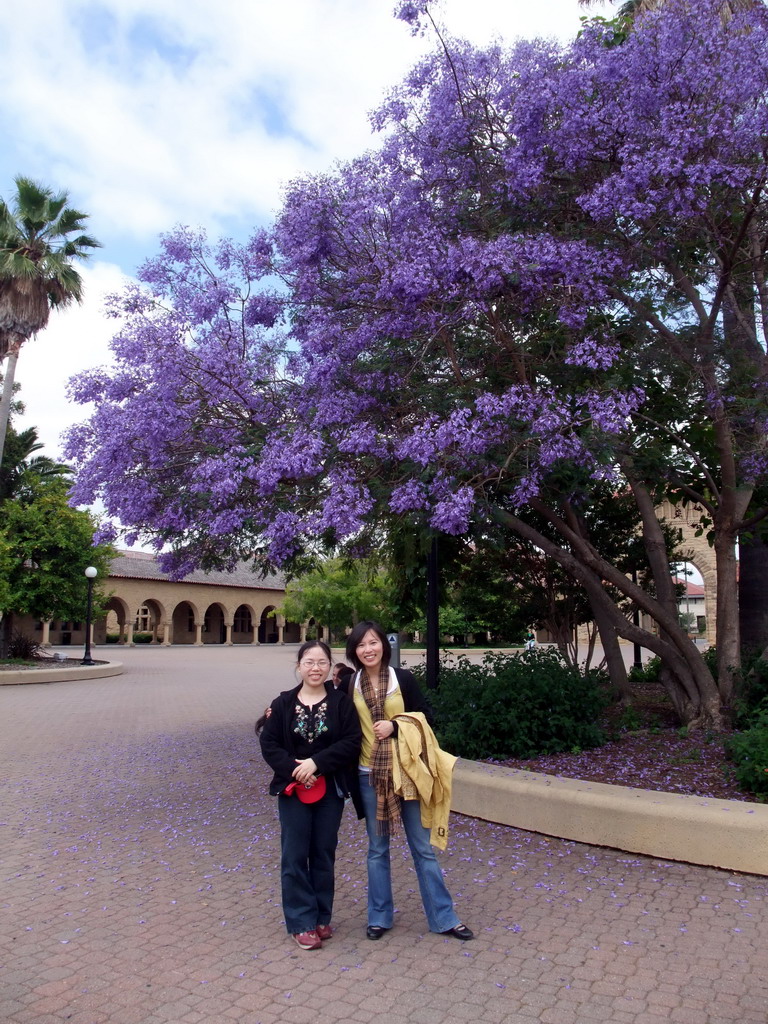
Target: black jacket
x=413, y=699
x=336, y=751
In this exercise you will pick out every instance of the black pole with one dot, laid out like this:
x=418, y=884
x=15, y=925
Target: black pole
x=394, y=643
x=636, y=621
x=88, y=660
x=433, y=618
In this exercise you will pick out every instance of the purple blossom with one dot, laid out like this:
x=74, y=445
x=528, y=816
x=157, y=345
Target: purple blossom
x=476, y=305
x=593, y=354
x=408, y=497
x=452, y=514
x=412, y=12
x=263, y=310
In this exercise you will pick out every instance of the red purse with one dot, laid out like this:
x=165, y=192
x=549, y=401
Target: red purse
x=308, y=793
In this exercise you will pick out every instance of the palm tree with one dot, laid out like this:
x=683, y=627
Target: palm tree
x=36, y=272
x=21, y=470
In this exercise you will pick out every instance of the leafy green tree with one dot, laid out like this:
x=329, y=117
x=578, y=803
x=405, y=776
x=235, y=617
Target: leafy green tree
x=337, y=594
x=36, y=272
x=494, y=605
x=45, y=547
x=6, y=564
x=688, y=621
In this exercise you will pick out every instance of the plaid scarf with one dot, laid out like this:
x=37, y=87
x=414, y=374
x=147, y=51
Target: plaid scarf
x=387, y=805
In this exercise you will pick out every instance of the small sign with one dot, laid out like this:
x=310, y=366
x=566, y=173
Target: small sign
x=394, y=643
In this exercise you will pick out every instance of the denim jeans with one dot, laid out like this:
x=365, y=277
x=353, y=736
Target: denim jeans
x=308, y=839
x=438, y=904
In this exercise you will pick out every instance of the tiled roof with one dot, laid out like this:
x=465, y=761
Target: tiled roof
x=691, y=589
x=140, y=565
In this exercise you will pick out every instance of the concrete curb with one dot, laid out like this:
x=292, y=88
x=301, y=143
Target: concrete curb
x=727, y=834
x=11, y=677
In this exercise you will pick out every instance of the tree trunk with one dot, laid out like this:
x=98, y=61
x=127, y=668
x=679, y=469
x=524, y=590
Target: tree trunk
x=667, y=620
x=658, y=558
x=728, y=644
x=614, y=659
x=740, y=330
x=7, y=397
x=753, y=593
x=6, y=620
x=698, y=697
x=592, y=633
x=655, y=545
x=564, y=636
x=745, y=352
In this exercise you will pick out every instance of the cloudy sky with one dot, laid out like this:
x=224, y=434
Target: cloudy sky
x=157, y=112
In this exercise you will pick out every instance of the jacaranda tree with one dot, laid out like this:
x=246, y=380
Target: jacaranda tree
x=520, y=294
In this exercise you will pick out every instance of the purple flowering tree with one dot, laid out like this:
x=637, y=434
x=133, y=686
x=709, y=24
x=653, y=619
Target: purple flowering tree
x=522, y=293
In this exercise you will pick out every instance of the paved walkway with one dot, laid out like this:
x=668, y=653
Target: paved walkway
x=141, y=885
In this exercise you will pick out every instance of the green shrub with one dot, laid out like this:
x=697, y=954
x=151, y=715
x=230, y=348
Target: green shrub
x=142, y=638
x=630, y=720
x=517, y=706
x=751, y=684
x=752, y=688
x=749, y=752
x=113, y=638
x=649, y=673
x=710, y=659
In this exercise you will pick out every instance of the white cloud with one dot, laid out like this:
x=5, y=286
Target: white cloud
x=150, y=108
x=153, y=112
x=75, y=339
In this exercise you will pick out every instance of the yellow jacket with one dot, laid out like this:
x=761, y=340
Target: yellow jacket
x=422, y=771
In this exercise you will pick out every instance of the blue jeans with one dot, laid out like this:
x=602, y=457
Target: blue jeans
x=438, y=904
x=308, y=839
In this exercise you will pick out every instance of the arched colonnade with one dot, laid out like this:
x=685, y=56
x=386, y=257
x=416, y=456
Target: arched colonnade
x=204, y=608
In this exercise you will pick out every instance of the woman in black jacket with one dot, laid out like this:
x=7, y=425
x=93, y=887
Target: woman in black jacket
x=311, y=732
x=380, y=693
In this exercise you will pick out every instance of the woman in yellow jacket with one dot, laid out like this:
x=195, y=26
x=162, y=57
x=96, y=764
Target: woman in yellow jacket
x=380, y=693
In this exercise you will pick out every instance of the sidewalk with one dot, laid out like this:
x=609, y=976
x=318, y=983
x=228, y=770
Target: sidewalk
x=140, y=867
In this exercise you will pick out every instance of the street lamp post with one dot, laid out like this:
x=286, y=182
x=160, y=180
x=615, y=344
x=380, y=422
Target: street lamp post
x=91, y=573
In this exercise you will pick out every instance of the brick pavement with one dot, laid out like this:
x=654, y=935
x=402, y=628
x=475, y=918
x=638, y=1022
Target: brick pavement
x=140, y=872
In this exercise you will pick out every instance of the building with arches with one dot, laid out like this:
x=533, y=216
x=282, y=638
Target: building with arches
x=214, y=607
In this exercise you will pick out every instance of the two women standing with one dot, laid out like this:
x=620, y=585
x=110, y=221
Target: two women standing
x=380, y=693
x=315, y=731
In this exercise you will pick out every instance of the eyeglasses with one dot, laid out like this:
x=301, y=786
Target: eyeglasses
x=315, y=664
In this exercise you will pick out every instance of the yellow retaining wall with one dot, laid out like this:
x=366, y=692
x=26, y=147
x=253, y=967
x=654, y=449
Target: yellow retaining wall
x=13, y=677
x=719, y=833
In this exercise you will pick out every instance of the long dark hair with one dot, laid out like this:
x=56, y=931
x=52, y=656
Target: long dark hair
x=307, y=646
x=357, y=634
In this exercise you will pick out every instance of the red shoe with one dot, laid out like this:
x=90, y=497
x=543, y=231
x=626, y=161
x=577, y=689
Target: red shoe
x=308, y=940
x=324, y=931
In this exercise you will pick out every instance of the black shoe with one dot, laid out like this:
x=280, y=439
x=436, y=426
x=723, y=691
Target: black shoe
x=375, y=931
x=461, y=932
